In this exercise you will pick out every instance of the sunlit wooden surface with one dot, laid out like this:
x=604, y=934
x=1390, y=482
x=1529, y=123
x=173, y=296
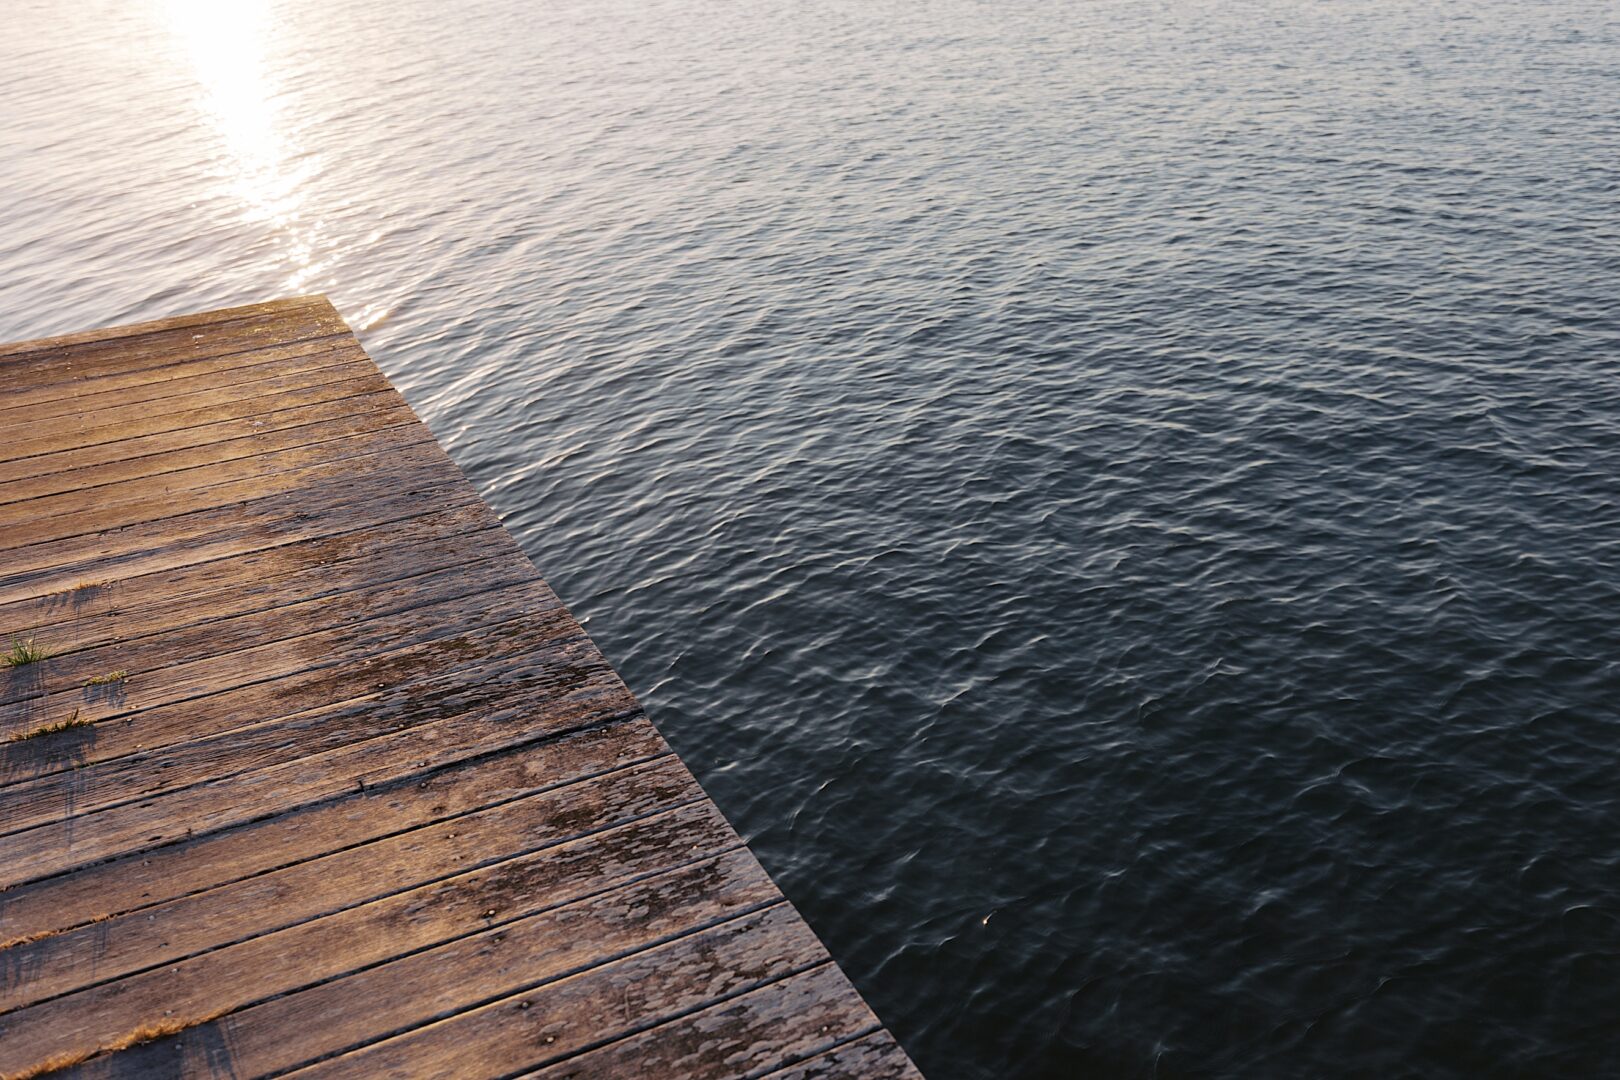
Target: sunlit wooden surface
x=316, y=775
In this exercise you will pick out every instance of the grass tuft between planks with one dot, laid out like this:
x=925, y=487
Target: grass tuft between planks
x=69, y=724
x=24, y=651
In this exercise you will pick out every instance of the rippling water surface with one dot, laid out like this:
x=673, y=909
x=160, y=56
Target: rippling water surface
x=1119, y=501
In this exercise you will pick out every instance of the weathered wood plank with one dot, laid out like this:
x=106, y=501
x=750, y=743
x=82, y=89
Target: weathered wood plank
x=132, y=453
x=104, y=951
x=136, y=502
x=223, y=378
x=215, y=483
x=872, y=1057
x=549, y=1022
x=347, y=375
x=127, y=608
x=415, y=476
x=59, y=847
x=376, y=680
x=143, y=346
x=775, y=1025
x=251, y=443
x=154, y=641
x=426, y=793
x=296, y=1029
x=413, y=488
x=317, y=633
x=205, y=986
x=293, y=668
x=530, y=664
x=188, y=320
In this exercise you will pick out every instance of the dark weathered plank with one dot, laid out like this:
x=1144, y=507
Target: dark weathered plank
x=215, y=483
x=74, y=844
x=58, y=847
x=64, y=467
x=354, y=744
x=488, y=593
x=348, y=374
x=489, y=564
x=205, y=986
x=124, y=609
x=315, y=633
x=531, y=664
x=748, y=1035
x=155, y=346
x=155, y=498
x=104, y=951
x=106, y=479
x=872, y=1057
x=550, y=1022
x=417, y=483
x=222, y=378
x=59, y=567
x=296, y=1029
x=425, y=793
x=491, y=646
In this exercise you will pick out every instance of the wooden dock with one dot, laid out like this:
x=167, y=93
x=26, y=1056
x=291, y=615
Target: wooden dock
x=319, y=777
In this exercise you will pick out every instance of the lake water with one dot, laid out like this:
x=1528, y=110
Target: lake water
x=1118, y=501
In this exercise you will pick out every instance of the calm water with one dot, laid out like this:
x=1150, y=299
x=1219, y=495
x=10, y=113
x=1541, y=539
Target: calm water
x=1119, y=501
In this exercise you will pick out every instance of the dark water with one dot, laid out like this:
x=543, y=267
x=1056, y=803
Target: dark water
x=1120, y=502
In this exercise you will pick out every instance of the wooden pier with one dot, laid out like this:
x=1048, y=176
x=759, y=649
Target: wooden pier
x=317, y=776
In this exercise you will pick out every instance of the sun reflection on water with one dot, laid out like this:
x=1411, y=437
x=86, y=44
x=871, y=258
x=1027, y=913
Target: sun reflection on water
x=262, y=167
